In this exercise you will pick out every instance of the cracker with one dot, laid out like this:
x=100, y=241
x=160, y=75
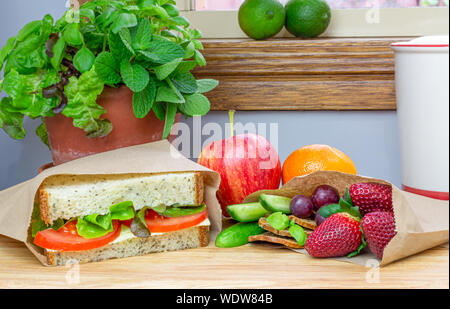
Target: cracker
x=306, y=223
x=274, y=239
x=285, y=233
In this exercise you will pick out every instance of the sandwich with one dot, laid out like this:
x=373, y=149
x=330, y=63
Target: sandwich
x=89, y=218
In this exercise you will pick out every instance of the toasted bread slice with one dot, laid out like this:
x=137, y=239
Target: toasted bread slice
x=194, y=237
x=69, y=196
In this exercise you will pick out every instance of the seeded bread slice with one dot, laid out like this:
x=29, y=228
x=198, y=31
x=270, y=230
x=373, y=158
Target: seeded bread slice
x=69, y=196
x=193, y=237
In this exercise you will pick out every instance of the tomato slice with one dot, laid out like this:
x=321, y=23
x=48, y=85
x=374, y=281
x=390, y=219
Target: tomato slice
x=159, y=224
x=67, y=238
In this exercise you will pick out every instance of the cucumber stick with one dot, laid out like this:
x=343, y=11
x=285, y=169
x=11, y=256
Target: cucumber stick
x=247, y=212
x=238, y=234
x=275, y=203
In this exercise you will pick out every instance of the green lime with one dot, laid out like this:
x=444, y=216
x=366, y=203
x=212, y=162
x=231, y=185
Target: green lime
x=261, y=19
x=307, y=18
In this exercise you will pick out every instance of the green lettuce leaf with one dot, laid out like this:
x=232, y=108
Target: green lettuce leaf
x=175, y=212
x=26, y=92
x=95, y=225
x=82, y=104
x=41, y=131
x=12, y=123
x=37, y=224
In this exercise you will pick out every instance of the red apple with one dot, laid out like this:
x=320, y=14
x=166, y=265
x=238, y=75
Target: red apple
x=246, y=163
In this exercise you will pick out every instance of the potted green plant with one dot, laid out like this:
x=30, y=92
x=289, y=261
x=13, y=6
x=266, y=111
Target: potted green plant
x=107, y=75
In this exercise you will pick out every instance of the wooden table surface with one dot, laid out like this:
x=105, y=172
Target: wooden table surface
x=251, y=266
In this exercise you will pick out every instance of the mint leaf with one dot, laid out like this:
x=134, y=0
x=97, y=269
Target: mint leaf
x=171, y=10
x=298, y=233
x=107, y=68
x=160, y=112
x=162, y=52
x=165, y=94
x=186, y=66
x=206, y=85
x=171, y=111
x=143, y=100
x=84, y=60
x=125, y=36
x=189, y=50
x=185, y=82
x=143, y=37
x=196, y=105
x=117, y=48
x=329, y=210
x=124, y=20
x=200, y=58
x=135, y=76
x=278, y=221
x=162, y=72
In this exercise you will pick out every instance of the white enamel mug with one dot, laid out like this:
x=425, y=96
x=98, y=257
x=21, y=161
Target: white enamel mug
x=422, y=83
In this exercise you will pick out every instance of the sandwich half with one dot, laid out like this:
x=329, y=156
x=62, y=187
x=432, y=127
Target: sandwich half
x=89, y=218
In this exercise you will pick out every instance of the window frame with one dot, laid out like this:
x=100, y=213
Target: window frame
x=393, y=22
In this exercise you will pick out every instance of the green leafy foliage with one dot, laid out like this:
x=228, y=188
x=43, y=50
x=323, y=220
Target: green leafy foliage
x=297, y=232
x=84, y=60
x=196, y=105
x=206, y=85
x=135, y=76
x=171, y=111
x=41, y=131
x=107, y=68
x=37, y=224
x=96, y=225
x=278, y=221
x=163, y=71
x=174, y=212
x=144, y=44
x=143, y=100
x=82, y=102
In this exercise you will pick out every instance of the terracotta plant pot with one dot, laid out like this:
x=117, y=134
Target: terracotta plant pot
x=68, y=142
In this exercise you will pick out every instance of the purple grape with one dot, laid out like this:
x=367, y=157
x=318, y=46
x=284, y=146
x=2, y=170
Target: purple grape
x=301, y=206
x=324, y=195
x=319, y=219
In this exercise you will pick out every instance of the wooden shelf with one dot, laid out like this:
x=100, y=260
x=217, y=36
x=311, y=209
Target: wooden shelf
x=293, y=74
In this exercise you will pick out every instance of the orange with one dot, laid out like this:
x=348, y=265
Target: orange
x=313, y=158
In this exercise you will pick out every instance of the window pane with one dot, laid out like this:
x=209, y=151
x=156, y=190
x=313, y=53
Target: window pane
x=335, y=4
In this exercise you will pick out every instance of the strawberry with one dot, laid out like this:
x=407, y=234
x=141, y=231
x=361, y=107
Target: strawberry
x=370, y=197
x=379, y=229
x=339, y=235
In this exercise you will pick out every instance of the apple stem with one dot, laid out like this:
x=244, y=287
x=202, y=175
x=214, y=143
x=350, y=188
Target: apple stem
x=231, y=116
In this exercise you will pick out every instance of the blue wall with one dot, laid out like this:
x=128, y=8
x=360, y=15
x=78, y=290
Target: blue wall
x=369, y=138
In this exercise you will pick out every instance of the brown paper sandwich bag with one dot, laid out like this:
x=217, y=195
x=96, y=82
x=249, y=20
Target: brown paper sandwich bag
x=16, y=203
x=421, y=223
